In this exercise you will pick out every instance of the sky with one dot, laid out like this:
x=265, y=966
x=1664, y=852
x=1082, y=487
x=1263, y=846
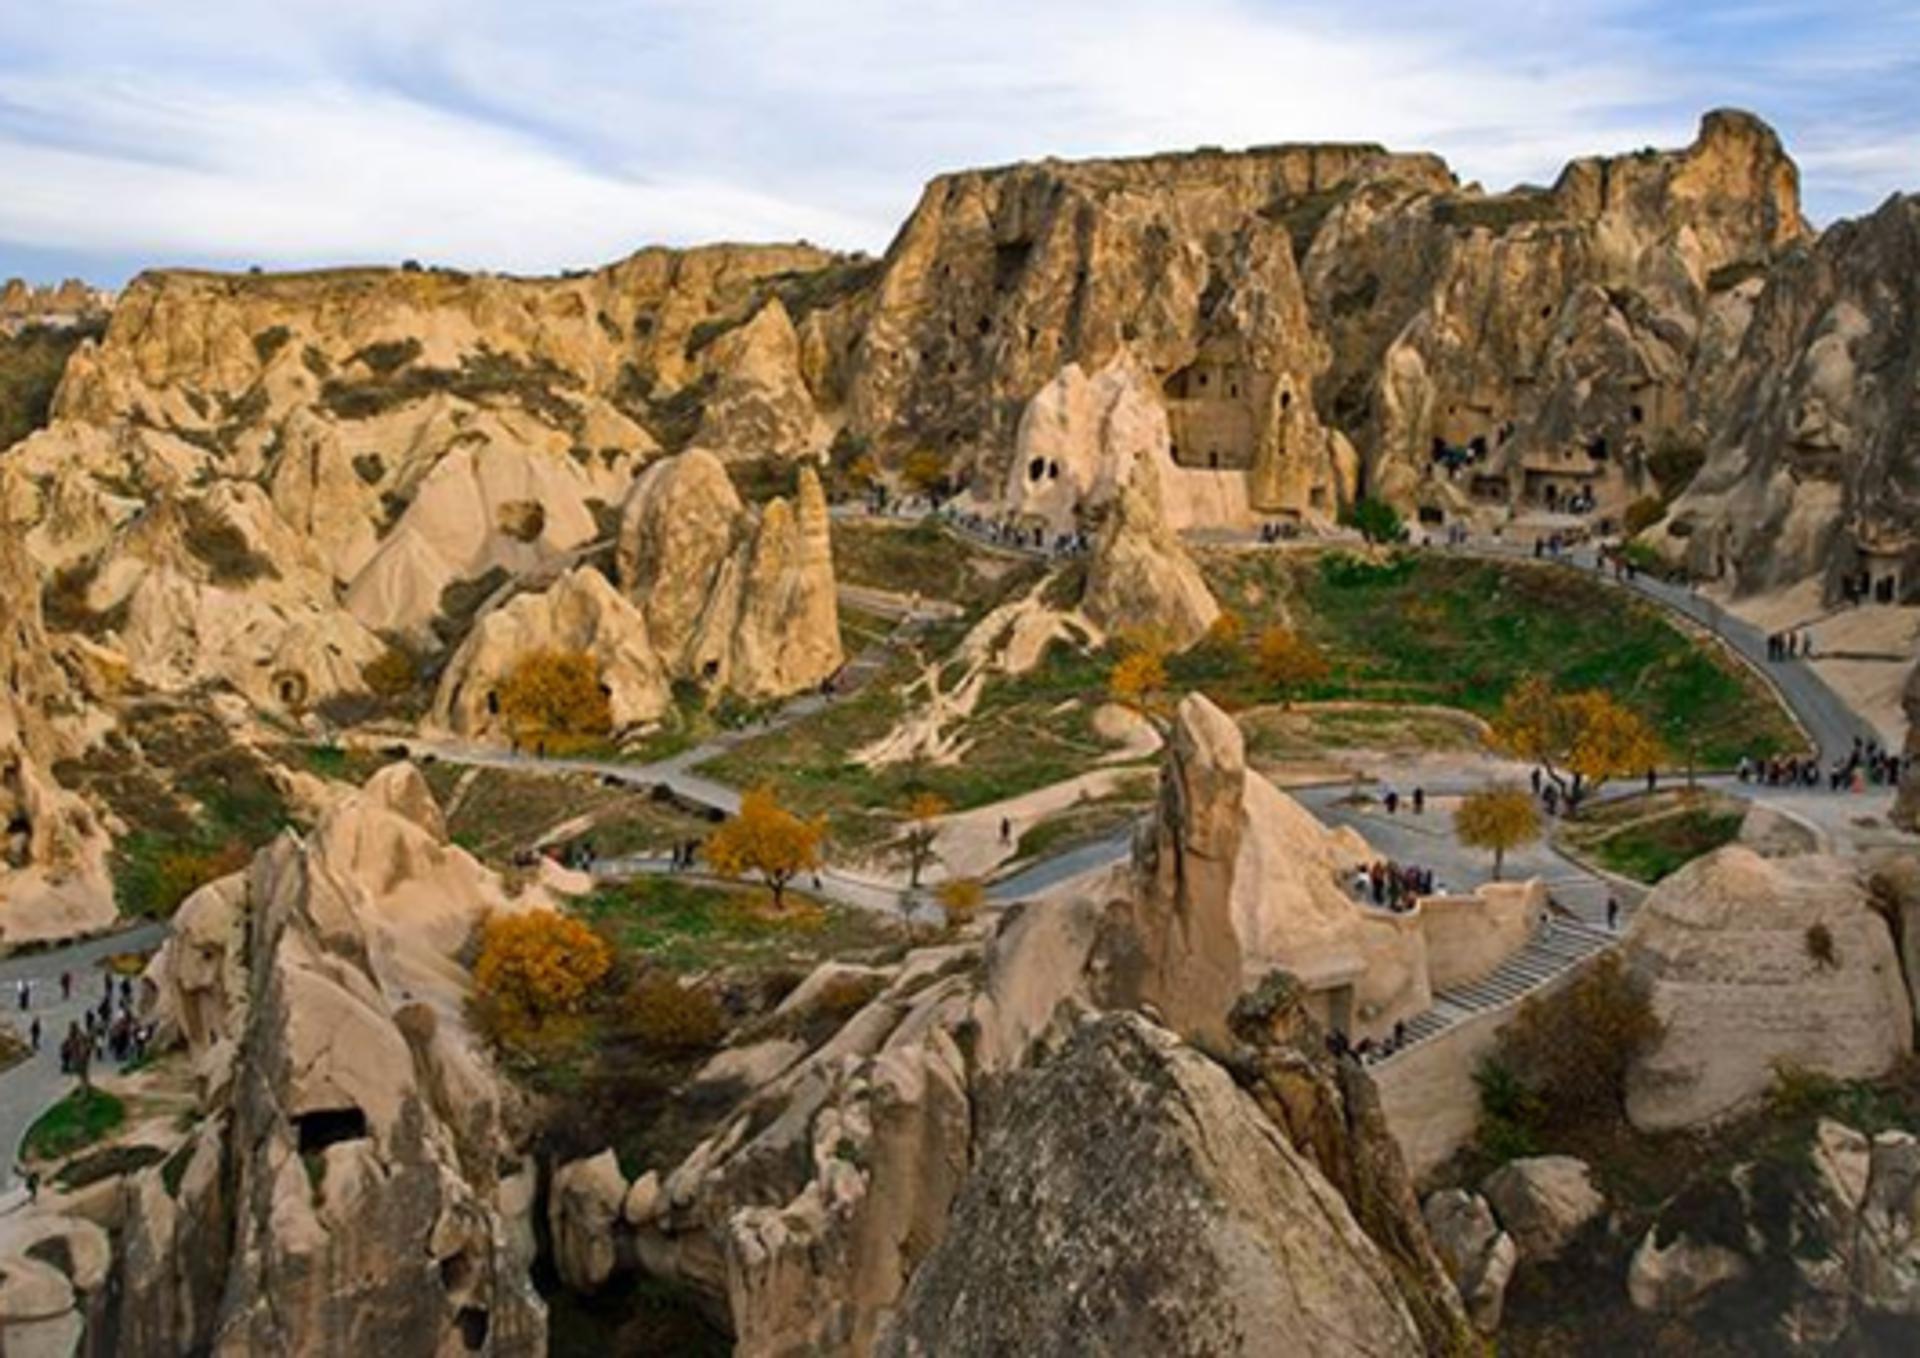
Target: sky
x=535, y=135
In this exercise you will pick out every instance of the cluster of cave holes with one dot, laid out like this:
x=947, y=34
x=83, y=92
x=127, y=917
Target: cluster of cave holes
x=1041, y=467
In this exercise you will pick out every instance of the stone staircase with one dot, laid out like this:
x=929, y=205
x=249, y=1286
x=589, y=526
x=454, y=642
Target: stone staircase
x=1560, y=944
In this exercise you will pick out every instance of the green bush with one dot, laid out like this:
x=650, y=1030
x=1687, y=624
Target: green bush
x=665, y=1012
x=1376, y=520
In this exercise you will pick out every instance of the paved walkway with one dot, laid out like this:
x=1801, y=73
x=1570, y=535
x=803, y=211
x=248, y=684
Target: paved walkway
x=28, y=1089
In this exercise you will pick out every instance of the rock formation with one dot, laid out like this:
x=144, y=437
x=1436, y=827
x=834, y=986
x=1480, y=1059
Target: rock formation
x=1267, y=1255
x=582, y=613
x=1479, y=1255
x=760, y=405
x=852, y=1198
x=1906, y=808
x=1809, y=470
x=53, y=878
x=1141, y=579
x=1825, y=1247
x=734, y=598
x=1235, y=879
x=347, y=1186
x=1757, y=963
x=1543, y=1201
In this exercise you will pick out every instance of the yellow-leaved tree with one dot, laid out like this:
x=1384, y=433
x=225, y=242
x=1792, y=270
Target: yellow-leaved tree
x=536, y=968
x=1290, y=662
x=554, y=697
x=1580, y=739
x=961, y=899
x=1497, y=818
x=1139, y=677
x=923, y=809
x=767, y=839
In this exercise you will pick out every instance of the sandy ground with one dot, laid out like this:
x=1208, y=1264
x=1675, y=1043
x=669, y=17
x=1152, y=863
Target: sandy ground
x=1871, y=686
x=970, y=844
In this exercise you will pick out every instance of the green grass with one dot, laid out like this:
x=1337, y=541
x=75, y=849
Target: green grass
x=74, y=1123
x=922, y=558
x=1459, y=632
x=690, y=926
x=1648, y=840
x=1026, y=732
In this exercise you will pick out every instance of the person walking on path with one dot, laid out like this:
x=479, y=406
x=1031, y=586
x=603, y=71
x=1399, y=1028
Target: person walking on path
x=24, y=990
x=33, y=1033
x=1613, y=914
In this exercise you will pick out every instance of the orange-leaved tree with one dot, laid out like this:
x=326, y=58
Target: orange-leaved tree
x=923, y=809
x=535, y=967
x=1290, y=662
x=555, y=697
x=767, y=839
x=1580, y=739
x=1497, y=818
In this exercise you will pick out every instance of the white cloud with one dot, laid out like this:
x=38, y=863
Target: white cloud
x=509, y=135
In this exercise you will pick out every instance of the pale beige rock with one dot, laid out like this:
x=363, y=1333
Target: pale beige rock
x=584, y=1202
x=1542, y=1202
x=579, y=613
x=734, y=599
x=760, y=405
x=1141, y=579
x=1906, y=811
x=1675, y=1278
x=367, y=1208
x=1231, y=1242
x=1727, y=946
x=643, y=1201
x=1478, y=1255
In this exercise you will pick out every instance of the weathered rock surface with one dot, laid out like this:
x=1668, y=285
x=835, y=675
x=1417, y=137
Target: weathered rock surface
x=760, y=405
x=1676, y=1277
x=1906, y=808
x=810, y=1210
x=734, y=598
x=584, y=1201
x=1234, y=879
x=344, y=1190
x=1543, y=1202
x=1755, y=963
x=1141, y=579
x=1810, y=471
x=53, y=875
x=1479, y=1255
x=1231, y=1241
x=580, y=613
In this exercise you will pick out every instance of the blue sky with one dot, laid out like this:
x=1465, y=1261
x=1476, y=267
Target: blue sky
x=534, y=135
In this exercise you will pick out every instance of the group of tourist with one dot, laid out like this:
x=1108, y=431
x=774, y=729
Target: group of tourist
x=1007, y=531
x=1392, y=886
x=685, y=855
x=1790, y=645
x=1366, y=1050
x=1271, y=532
x=108, y=1028
x=1868, y=764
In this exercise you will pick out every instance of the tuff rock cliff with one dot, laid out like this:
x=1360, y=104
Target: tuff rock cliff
x=846, y=1202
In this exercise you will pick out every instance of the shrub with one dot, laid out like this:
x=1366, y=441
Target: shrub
x=1290, y=662
x=534, y=968
x=1820, y=946
x=1572, y=1050
x=1376, y=520
x=393, y=674
x=960, y=900
x=228, y=555
x=664, y=1012
x=270, y=342
x=77, y=1121
x=1643, y=514
x=152, y=874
